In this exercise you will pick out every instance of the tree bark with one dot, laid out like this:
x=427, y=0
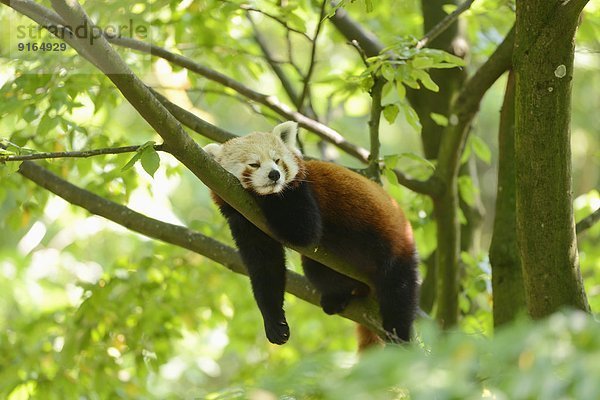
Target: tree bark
x=507, y=278
x=426, y=102
x=543, y=61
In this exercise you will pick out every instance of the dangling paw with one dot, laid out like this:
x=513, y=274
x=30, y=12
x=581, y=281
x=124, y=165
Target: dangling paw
x=278, y=332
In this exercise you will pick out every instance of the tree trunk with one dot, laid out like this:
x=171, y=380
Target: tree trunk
x=426, y=102
x=543, y=61
x=507, y=278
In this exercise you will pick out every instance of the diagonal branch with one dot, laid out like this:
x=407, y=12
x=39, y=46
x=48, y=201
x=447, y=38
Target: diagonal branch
x=180, y=236
x=194, y=122
x=288, y=87
x=444, y=24
x=271, y=102
x=588, y=222
x=466, y=105
x=352, y=30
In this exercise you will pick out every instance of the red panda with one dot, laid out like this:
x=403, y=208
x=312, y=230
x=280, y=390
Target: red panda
x=319, y=203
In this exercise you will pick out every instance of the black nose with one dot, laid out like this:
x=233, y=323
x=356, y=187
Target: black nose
x=274, y=175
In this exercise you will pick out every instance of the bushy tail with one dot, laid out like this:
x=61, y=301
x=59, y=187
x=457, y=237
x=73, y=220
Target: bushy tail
x=367, y=338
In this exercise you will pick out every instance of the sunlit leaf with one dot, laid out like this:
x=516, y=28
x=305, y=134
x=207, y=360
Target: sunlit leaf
x=150, y=160
x=390, y=112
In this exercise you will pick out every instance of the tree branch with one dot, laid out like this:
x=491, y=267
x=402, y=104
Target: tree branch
x=274, y=18
x=444, y=24
x=321, y=130
x=76, y=154
x=359, y=311
x=376, y=108
x=313, y=54
x=288, y=87
x=588, y=222
x=467, y=105
x=352, y=30
x=194, y=122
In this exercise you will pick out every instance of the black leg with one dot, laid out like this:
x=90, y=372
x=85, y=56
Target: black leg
x=396, y=289
x=336, y=289
x=264, y=259
x=293, y=215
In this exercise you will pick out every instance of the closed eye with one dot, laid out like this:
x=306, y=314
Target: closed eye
x=254, y=165
x=277, y=161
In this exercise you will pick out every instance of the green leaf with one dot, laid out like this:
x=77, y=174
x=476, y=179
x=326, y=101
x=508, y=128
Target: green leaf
x=131, y=161
x=467, y=190
x=391, y=160
x=148, y=144
x=150, y=160
x=439, y=119
x=390, y=112
x=388, y=72
x=46, y=124
x=401, y=90
x=296, y=22
x=412, y=117
x=419, y=159
x=454, y=60
x=422, y=62
x=391, y=177
x=424, y=77
x=465, y=155
x=369, y=5
x=481, y=149
x=387, y=87
x=30, y=113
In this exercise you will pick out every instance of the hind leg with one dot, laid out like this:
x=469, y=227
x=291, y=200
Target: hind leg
x=396, y=289
x=336, y=289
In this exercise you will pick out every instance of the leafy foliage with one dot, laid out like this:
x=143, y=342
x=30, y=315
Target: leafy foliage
x=550, y=360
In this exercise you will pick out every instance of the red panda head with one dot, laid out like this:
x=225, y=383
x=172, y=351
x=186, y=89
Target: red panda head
x=263, y=162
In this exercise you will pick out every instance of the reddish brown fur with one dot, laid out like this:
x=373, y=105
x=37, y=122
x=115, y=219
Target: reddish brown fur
x=367, y=338
x=365, y=201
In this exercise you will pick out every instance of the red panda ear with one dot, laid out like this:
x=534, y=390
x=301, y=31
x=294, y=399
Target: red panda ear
x=213, y=150
x=287, y=132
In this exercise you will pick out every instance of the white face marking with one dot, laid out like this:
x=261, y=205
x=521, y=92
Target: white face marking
x=261, y=162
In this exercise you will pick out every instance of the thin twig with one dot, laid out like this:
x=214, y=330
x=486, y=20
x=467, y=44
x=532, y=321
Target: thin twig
x=288, y=87
x=313, y=54
x=588, y=222
x=274, y=18
x=290, y=51
x=354, y=43
x=444, y=24
x=76, y=154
